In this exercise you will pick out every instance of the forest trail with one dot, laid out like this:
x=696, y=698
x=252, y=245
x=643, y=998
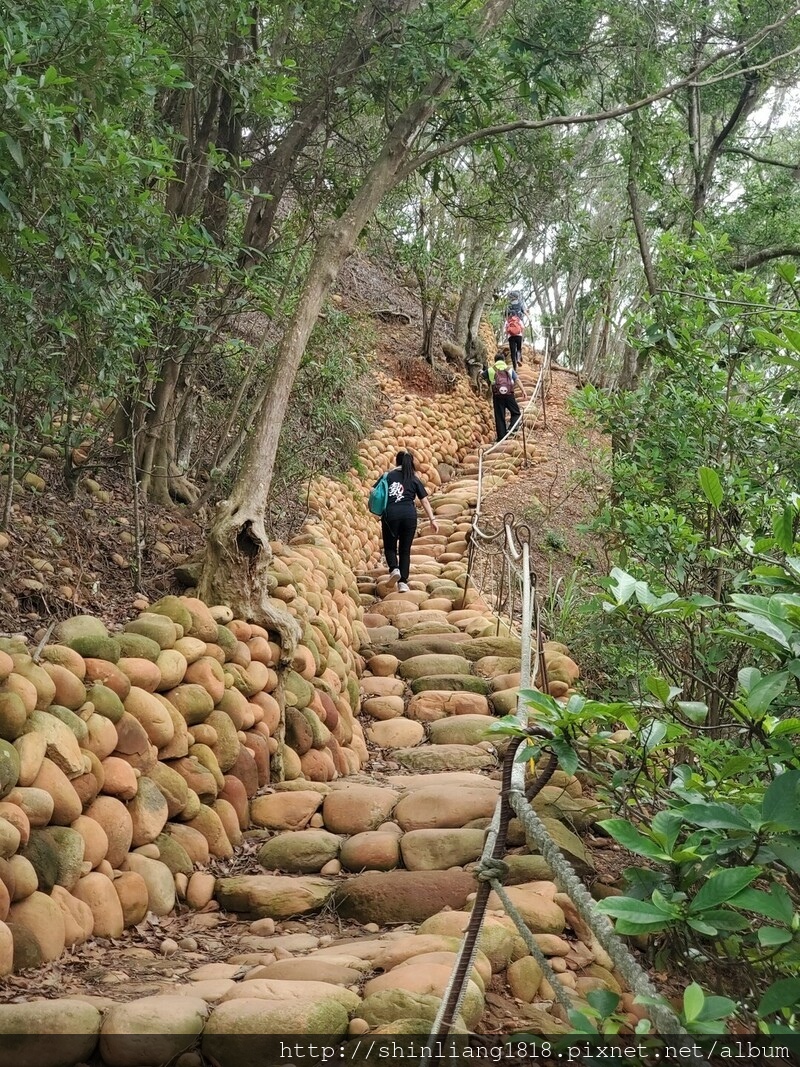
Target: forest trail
x=342, y=878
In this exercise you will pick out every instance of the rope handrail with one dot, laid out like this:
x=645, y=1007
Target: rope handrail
x=515, y=547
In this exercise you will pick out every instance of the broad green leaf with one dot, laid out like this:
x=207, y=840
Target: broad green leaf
x=14, y=150
x=693, y=1001
x=786, y=726
x=652, y=734
x=541, y=702
x=666, y=827
x=716, y=1008
x=748, y=676
x=761, y=605
x=636, y=912
x=775, y=904
x=629, y=837
x=721, y=887
x=701, y=926
x=567, y=756
x=779, y=632
x=659, y=687
x=604, y=1001
x=635, y=929
x=793, y=337
x=716, y=816
x=711, y=485
x=725, y=921
x=767, y=338
x=780, y=804
x=765, y=691
x=625, y=585
x=783, y=529
x=694, y=710
x=782, y=994
x=771, y=936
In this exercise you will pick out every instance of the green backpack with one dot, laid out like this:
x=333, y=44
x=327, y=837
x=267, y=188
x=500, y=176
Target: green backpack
x=379, y=496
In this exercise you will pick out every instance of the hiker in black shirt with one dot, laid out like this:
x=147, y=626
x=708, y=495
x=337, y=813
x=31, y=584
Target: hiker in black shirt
x=399, y=520
x=503, y=379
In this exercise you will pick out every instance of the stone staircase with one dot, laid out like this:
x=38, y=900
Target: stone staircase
x=387, y=855
x=396, y=845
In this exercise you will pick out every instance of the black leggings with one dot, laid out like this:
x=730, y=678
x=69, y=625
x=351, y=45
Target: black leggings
x=502, y=405
x=515, y=348
x=398, y=526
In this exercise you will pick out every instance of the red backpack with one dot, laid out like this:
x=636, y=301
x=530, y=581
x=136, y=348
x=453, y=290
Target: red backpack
x=514, y=326
x=503, y=384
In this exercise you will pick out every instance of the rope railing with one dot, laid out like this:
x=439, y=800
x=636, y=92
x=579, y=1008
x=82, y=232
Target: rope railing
x=512, y=542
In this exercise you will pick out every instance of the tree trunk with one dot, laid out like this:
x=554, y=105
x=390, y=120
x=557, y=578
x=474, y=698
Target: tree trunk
x=465, y=305
x=238, y=551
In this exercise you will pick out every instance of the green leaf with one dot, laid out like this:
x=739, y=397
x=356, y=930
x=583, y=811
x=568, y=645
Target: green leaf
x=722, y=886
x=716, y=1008
x=715, y=817
x=693, y=1001
x=783, y=529
x=748, y=676
x=694, y=710
x=787, y=271
x=786, y=852
x=14, y=151
x=632, y=929
x=775, y=904
x=765, y=691
x=567, y=756
x=780, y=803
x=779, y=632
x=541, y=702
x=626, y=584
x=768, y=339
x=793, y=337
x=509, y=726
x=782, y=994
x=771, y=936
x=702, y=927
x=629, y=837
x=666, y=827
x=635, y=912
x=659, y=687
x=711, y=485
x=604, y=1001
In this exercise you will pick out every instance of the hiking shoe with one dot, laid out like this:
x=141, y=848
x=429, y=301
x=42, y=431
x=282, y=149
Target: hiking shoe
x=403, y=588
x=393, y=576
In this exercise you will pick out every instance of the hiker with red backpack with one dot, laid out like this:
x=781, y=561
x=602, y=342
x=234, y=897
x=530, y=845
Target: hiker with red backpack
x=503, y=379
x=514, y=329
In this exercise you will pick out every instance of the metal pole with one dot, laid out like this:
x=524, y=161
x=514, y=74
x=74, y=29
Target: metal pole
x=501, y=594
x=527, y=618
x=470, y=562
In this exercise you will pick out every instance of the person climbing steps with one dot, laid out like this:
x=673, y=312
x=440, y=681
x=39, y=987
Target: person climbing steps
x=503, y=379
x=399, y=517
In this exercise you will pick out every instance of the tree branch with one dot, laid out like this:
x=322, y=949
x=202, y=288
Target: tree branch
x=641, y=237
x=748, y=99
x=764, y=255
x=795, y=167
x=612, y=113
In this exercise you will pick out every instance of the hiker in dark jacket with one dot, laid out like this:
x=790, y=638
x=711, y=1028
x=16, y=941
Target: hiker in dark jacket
x=399, y=520
x=502, y=378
